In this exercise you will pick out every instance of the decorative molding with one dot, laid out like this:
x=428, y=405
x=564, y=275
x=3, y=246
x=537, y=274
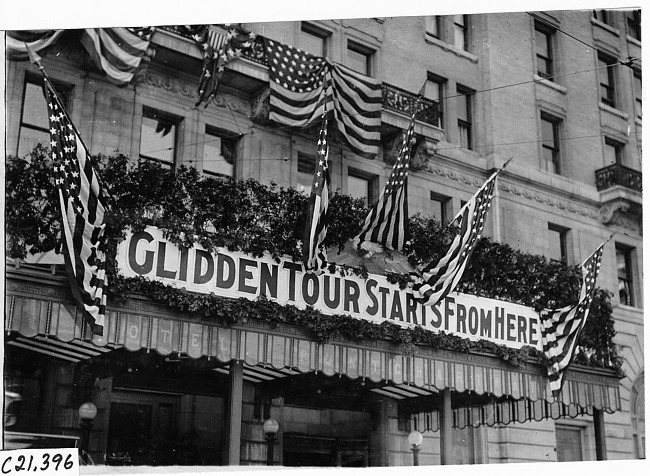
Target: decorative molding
x=608, y=211
x=260, y=106
x=173, y=85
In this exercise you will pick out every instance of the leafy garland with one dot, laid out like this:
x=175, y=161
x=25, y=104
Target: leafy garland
x=253, y=218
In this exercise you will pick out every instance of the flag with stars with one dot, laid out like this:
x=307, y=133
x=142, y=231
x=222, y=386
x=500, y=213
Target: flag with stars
x=296, y=82
x=441, y=278
x=387, y=222
x=218, y=47
x=314, y=253
x=561, y=327
x=117, y=51
x=83, y=205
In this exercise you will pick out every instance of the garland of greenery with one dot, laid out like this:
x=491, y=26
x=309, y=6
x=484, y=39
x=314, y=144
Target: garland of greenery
x=253, y=218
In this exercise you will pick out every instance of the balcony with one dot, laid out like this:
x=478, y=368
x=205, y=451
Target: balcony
x=620, y=190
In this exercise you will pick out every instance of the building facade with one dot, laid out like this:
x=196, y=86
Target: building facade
x=559, y=92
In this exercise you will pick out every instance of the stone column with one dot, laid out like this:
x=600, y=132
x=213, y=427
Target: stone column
x=233, y=441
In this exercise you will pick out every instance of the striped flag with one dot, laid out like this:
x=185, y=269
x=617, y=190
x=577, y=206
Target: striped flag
x=297, y=94
x=387, y=223
x=561, y=327
x=35, y=40
x=83, y=205
x=314, y=253
x=218, y=47
x=441, y=278
x=117, y=51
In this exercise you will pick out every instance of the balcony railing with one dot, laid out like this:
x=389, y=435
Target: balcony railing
x=617, y=174
x=393, y=98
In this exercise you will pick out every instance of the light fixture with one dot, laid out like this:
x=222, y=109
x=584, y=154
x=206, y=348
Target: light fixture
x=270, y=428
x=415, y=439
x=87, y=413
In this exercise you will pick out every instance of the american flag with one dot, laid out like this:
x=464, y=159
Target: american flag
x=35, y=40
x=561, y=327
x=314, y=253
x=297, y=94
x=117, y=51
x=218, y=47
x=441, y=278
x=387, y=222
x=83, y=206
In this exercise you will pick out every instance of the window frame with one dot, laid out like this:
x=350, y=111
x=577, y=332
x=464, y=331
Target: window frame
x=440, y=83
x=364, y=50
x=465, y=123
x=580, y=430
x=373, y=183
x=434, y=21
x=464, y=29
x=603, y=16
x=637, y=393
x=64, y=93
x=151, y=113
x=607, y=70
x=633, y=24
x=556, y=150
x=444, y=202
x=318, y=32
x=629, y=278
x=549, y=60
x=638, y=93
x=224, y=136
x=619, y=150
x=564, y=242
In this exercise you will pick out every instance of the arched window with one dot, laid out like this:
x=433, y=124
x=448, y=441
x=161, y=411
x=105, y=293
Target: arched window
x=637, y=408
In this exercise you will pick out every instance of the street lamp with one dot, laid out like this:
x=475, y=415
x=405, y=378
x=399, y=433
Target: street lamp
x=87, y=413
x=415, y=438
x=270, y=427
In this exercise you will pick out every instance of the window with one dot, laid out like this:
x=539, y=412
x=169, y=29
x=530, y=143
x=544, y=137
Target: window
x=606, y=77
x=633, y=20
x=637, y=94
x=158, y=136
x=313, y=39
x=306, y=169
x=569, y=443
x=637, y=409
x=439, y=205
x=604, y=16
x=218, y=152
x=432, y=25
x=461, y=32
x=362, y=185
x=551, y=142
x=434, y=91
x=360, y=58
x=464, y=113
x=34, y=121
x=544, y=51
x=625, y=277
x=557, y=242
x=613, y=151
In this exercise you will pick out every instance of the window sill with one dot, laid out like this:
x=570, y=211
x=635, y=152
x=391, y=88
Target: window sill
x=548, y=83
x=612, y=110
x=451, y=48
x=637, y=121
x=605, y=26
x=632, y=40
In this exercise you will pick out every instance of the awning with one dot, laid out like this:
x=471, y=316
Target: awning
x=140, y=324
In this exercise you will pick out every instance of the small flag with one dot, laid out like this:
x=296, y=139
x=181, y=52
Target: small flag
x=297, y=94
x=442, y=277
x=83, y=206
x=387, y=223
x=561, y=327
x=314, y=253
x=218, y=47
x=18, y=42
x=117, y=51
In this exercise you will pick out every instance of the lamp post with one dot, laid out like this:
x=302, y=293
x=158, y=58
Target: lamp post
x=270, y=427
x=415, y=438
x=87, y=413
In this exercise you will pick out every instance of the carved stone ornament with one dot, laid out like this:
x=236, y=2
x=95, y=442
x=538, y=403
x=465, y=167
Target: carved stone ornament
x=260, y=106
x=607, y=211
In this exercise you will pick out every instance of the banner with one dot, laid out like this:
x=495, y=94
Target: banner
x=235, y=275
